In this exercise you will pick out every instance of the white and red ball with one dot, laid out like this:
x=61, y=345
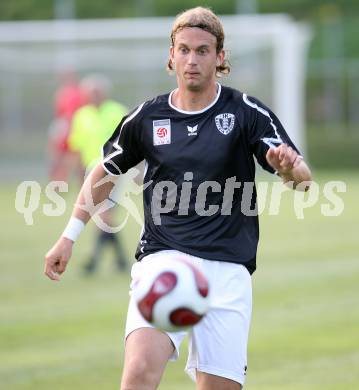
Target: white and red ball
x=172, y=294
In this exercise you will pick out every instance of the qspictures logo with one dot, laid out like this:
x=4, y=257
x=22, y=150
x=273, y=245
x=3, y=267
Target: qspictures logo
x=169, y=198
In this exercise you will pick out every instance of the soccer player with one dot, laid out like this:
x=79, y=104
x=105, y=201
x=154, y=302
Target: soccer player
x=199, y=143
x=68, y=98
x=91, y=126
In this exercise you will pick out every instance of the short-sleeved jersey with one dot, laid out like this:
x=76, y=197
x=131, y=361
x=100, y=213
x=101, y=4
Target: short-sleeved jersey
x=196, y=167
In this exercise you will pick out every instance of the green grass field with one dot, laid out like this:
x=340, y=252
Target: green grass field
x=69, y=335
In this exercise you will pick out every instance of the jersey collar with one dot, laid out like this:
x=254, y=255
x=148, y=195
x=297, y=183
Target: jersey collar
x=195, y=112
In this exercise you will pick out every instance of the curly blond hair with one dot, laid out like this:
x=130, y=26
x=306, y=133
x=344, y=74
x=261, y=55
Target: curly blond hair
x=205, y=19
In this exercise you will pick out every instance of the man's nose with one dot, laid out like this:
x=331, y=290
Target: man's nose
x=192, y=58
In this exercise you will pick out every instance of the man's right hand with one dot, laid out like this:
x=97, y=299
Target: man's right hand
x=57, y=258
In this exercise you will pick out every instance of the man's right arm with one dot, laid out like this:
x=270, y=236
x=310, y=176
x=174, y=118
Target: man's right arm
x=57, y=258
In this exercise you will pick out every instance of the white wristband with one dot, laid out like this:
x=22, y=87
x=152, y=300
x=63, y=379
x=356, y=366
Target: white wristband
x=73, y=229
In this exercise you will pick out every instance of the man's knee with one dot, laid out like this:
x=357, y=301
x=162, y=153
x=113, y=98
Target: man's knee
x=207, y=381
x=140, y=374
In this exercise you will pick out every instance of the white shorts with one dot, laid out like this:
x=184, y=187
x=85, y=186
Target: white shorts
x=218, y=344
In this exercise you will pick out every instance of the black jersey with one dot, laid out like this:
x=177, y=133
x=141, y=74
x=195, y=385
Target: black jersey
x=199, y=167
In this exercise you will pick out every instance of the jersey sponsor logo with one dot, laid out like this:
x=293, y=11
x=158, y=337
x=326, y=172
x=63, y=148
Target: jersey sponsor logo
x=162, y=132
x=192, y=130
x=225, y=122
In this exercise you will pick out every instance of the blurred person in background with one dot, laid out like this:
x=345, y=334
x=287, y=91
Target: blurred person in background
x=69, y=97
x=91, y=126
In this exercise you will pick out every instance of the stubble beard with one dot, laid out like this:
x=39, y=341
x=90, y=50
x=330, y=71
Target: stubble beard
x=194, y=87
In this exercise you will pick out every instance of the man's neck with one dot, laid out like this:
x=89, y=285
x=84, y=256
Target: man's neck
x=188, y=100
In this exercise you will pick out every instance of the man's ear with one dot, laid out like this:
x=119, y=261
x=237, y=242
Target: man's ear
x=220, y=58
x=172, y=55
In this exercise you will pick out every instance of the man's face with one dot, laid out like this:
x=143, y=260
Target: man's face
x=195, y=58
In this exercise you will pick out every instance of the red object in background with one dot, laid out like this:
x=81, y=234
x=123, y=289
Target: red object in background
x=67, y=100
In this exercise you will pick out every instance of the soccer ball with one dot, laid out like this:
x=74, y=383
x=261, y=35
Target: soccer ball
x=172, y=295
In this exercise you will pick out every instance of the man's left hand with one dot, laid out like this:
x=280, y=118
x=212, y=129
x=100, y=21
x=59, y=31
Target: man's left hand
x=283, y=159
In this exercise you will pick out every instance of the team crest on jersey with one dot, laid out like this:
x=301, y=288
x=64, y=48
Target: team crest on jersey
x=225, y=122
x=162, y=132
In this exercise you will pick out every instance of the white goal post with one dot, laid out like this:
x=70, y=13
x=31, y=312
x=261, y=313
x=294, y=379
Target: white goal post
x=268, y=54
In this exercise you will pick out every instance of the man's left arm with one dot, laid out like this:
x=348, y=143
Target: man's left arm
x=272, y=146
